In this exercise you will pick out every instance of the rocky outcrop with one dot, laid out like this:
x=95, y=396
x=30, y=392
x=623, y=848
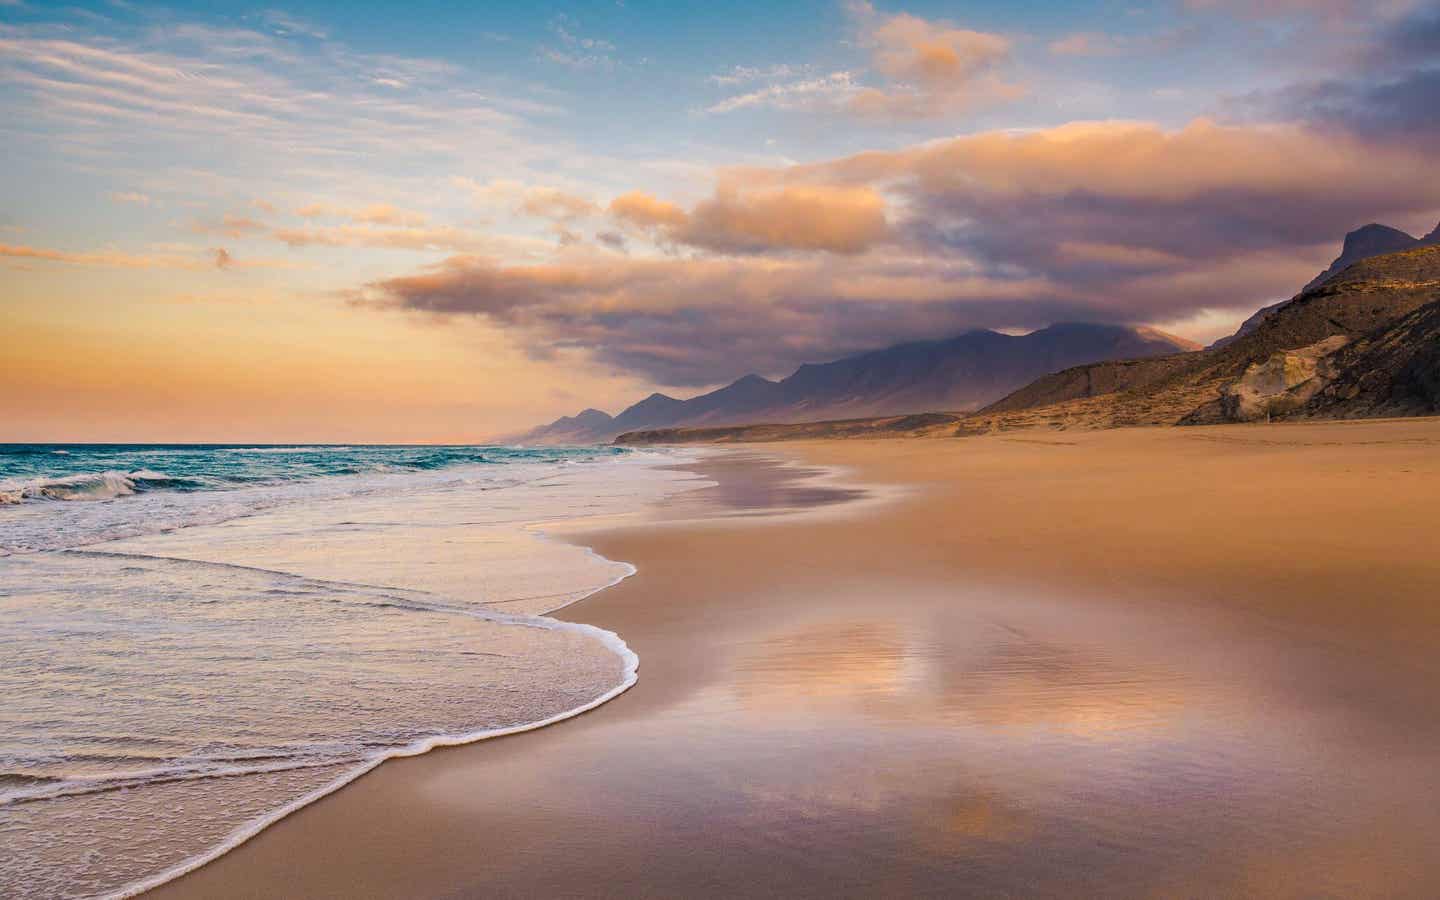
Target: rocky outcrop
x=1392, y=372
x=1274, y=387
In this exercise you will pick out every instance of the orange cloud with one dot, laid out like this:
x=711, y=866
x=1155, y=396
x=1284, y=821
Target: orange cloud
x=932, y=67
x=386, y=214
x=924, y=68
x=230, y=225
x=541, y=201
x=106, y=258
x=1203, y=162
x=911, y=49
x=739, y=219
x=799, y=217
x=440, y=237
x=553, y=203
x=374, y=214
x=214, y=258
x=639, y=208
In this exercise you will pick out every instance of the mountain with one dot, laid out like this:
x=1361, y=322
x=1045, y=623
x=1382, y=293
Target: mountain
x=958, y=374
x=1272, y=370
x=1360, y=244
x=576, y=429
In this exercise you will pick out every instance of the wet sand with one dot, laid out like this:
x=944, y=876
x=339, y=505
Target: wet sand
x=1189, y=662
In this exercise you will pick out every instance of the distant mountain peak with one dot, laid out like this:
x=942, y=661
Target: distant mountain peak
x=1362, y=243
x=752, y=378
x=1367, y=237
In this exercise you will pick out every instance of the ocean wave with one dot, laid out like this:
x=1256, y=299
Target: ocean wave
x=316, y=449
x=106, y=485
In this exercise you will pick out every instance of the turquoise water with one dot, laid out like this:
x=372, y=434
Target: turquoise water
x=106, y=471
x=58, y=496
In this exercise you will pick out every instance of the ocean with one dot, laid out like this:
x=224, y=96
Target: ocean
x=197, y=640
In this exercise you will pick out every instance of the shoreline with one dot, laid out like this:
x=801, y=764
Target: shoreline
x=543, y=619
x=504, y=533
x=641, y=772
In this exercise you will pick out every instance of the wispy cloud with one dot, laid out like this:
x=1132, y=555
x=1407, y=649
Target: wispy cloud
x=918, y=68
x=117, y=259
x=826, y=92
x=132, y=197
x=1102, y=44
x=576, y=50
x=747, y=74
x=168, y=91
x=286, y=25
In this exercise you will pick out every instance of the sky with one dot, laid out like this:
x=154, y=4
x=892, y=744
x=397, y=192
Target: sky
x=438, y=222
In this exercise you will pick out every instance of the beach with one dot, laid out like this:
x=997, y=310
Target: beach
x=1150, y=662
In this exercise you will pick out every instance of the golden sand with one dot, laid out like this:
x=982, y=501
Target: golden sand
x=1153, y=662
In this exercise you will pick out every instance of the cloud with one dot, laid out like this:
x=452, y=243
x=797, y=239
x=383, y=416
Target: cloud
x=745, y=74
x=286, y=25
x=1101, y=221
x=231, y=226
x=537, y=200
x=165, y=91
x=118, y=259
x=826, y=92
x=553, y=203
x=842, y=219
x=1102, y=44
x=1387, y=90
x=1203, y=191
x=1336, y=10
x=641, y=209
x=932, y=68
x=445, y=238
x=924, y=69
x=372, y=214
x=700, y=321
x=577, y=51
x=132, y=197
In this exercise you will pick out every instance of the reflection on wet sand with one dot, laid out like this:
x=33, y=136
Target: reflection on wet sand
x=1068, y=761
x=756, y=484
x=831, y=706
x=954, y=673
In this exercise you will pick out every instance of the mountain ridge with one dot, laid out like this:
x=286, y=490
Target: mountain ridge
x=954, y=374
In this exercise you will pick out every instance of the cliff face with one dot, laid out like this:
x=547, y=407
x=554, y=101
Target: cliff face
x=1393, y=372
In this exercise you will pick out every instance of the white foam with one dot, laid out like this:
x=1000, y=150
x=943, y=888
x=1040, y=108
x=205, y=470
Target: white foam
x=612, y=641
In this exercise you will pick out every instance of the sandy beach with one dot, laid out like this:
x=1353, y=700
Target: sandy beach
x=1149, y=662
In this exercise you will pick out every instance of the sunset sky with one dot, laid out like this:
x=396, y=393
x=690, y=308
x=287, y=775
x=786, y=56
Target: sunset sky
x=443, y=222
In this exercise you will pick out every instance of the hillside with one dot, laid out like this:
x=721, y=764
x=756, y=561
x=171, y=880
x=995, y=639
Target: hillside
x=1366, y=296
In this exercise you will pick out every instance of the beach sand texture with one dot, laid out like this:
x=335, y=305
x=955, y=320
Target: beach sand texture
x=1151, y=662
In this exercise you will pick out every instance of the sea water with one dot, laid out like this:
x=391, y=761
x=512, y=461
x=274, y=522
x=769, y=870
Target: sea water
x=195, y=641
